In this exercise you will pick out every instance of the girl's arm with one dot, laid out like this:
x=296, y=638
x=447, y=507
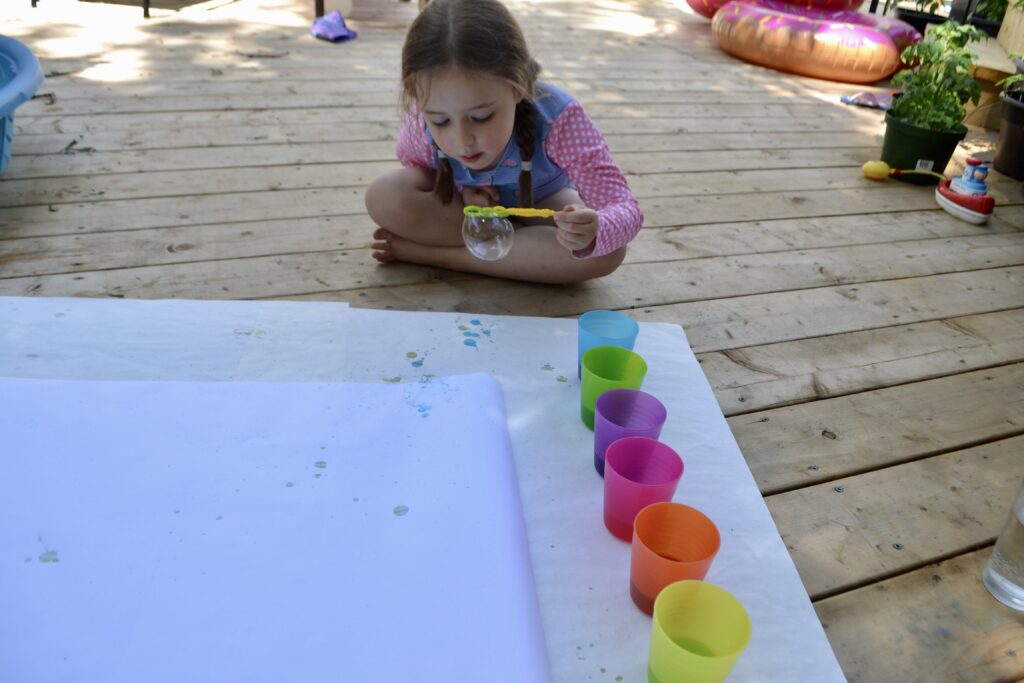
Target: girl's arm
x=414, y=149
x=576, y=145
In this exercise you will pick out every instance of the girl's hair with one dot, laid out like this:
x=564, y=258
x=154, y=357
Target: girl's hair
x=479, y=37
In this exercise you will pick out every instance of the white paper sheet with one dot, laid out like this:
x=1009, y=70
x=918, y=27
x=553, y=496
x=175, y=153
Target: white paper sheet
x=593, y=630
x=234, y=531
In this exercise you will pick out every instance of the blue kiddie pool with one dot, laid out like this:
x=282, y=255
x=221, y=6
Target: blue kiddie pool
x=20, y=77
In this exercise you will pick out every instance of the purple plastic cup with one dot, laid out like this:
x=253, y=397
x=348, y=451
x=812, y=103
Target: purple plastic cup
x=639, y=471
x=624, y=412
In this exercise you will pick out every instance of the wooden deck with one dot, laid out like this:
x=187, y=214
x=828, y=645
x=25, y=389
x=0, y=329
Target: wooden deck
x=866, y=347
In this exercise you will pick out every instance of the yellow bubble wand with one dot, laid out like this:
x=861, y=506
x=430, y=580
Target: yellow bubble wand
x=502, y=212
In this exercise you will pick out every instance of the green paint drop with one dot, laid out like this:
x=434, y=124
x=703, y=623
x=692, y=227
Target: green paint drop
x=401, y=510
x=604, y=670
x=410, y=354
x=289, y=484
x=463, y=328
x=49, y=556
x=392, y=380
x=547, y=366
x=618, y=678
x=562, y=378
x=320, y=464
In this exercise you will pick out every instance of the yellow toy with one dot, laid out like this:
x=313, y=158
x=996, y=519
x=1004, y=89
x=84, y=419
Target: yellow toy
x=879, y=170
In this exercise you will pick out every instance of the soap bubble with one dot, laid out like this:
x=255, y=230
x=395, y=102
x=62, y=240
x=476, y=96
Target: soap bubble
x=489, y=239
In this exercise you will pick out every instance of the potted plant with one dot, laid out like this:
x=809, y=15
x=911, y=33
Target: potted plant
x=925, y=122
x=1009, y=158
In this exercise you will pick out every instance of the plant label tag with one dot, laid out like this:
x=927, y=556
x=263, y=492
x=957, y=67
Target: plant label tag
x=924, y=165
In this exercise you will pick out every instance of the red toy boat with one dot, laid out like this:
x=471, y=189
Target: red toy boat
x=967, y=198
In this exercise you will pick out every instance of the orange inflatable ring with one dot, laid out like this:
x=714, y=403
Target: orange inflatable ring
x=834, y=44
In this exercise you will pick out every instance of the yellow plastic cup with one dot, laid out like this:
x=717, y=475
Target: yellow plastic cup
x=606, y=368
x=698, y=633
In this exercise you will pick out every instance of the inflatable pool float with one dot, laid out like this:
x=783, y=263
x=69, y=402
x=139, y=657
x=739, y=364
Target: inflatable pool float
x=826, y=39
x=20, y=77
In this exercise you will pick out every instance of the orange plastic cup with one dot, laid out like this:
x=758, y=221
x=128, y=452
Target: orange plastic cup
x=671, y=542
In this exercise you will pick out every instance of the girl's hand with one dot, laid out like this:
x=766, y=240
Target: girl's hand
x=577, y=226
x=485, y=195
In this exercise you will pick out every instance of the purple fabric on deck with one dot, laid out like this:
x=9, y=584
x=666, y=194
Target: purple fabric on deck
x=332, y=27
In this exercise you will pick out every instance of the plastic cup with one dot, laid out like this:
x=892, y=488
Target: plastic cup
x=639, y=471
x=604, y=328
x=698, y=633
x=606, y=368
x=624, y=412
x=671, y=542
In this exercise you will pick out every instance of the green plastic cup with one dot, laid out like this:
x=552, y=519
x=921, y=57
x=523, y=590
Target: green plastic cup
x=698, y=633
x=605, y=368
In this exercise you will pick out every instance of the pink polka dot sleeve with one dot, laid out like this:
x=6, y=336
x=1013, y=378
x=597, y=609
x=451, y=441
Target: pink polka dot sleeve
x=576, y=145
x=413, y=148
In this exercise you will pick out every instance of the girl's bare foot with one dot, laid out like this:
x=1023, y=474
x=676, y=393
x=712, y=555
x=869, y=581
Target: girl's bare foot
x=381, y=246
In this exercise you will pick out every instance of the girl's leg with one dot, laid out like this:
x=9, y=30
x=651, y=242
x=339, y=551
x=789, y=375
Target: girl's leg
x=535, y=255
x=402, y=202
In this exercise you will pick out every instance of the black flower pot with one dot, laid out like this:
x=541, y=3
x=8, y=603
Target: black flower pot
x=909, y=148
x=989, y=26
x=1010, y=149
x=918, y=20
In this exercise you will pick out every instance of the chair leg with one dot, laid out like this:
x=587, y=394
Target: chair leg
x=145, y=9
x=319, y=9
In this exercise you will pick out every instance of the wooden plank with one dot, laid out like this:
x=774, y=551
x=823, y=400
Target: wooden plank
x=774, y=317
x=762, y=377
x=714, y=277
x=328, y=155
x=125, y=185
x=803, y=445
x=649, y=82
x=91, y=210
x=374, y=108
x=934, y=624
x=718, y=324
x=256, y=137
x=752, y=237
x=865, y=528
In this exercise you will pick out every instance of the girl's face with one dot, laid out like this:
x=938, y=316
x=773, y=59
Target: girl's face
x=471, y=118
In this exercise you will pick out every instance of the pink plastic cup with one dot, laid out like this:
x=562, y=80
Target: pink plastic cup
x=624, y=412
x=638, y=471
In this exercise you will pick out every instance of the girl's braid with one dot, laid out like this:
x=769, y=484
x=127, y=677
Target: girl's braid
x=525, y=133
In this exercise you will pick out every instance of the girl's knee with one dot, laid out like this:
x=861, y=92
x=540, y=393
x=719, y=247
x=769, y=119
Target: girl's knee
x=380, y=198
x=600, y=266
x=387, y=196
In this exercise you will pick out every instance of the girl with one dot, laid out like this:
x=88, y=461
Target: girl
x=480, y=129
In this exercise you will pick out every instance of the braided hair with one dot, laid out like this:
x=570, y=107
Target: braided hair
x=478, y=36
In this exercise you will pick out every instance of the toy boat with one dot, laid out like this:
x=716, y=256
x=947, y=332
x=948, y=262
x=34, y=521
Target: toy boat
x=967, y=197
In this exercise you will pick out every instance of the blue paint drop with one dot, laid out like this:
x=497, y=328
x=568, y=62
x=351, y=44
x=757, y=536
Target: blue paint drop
x=469, y=342
x=418, y=363
x=474, y=322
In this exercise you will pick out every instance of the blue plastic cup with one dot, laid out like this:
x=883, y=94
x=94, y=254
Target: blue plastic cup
x=604, y=328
